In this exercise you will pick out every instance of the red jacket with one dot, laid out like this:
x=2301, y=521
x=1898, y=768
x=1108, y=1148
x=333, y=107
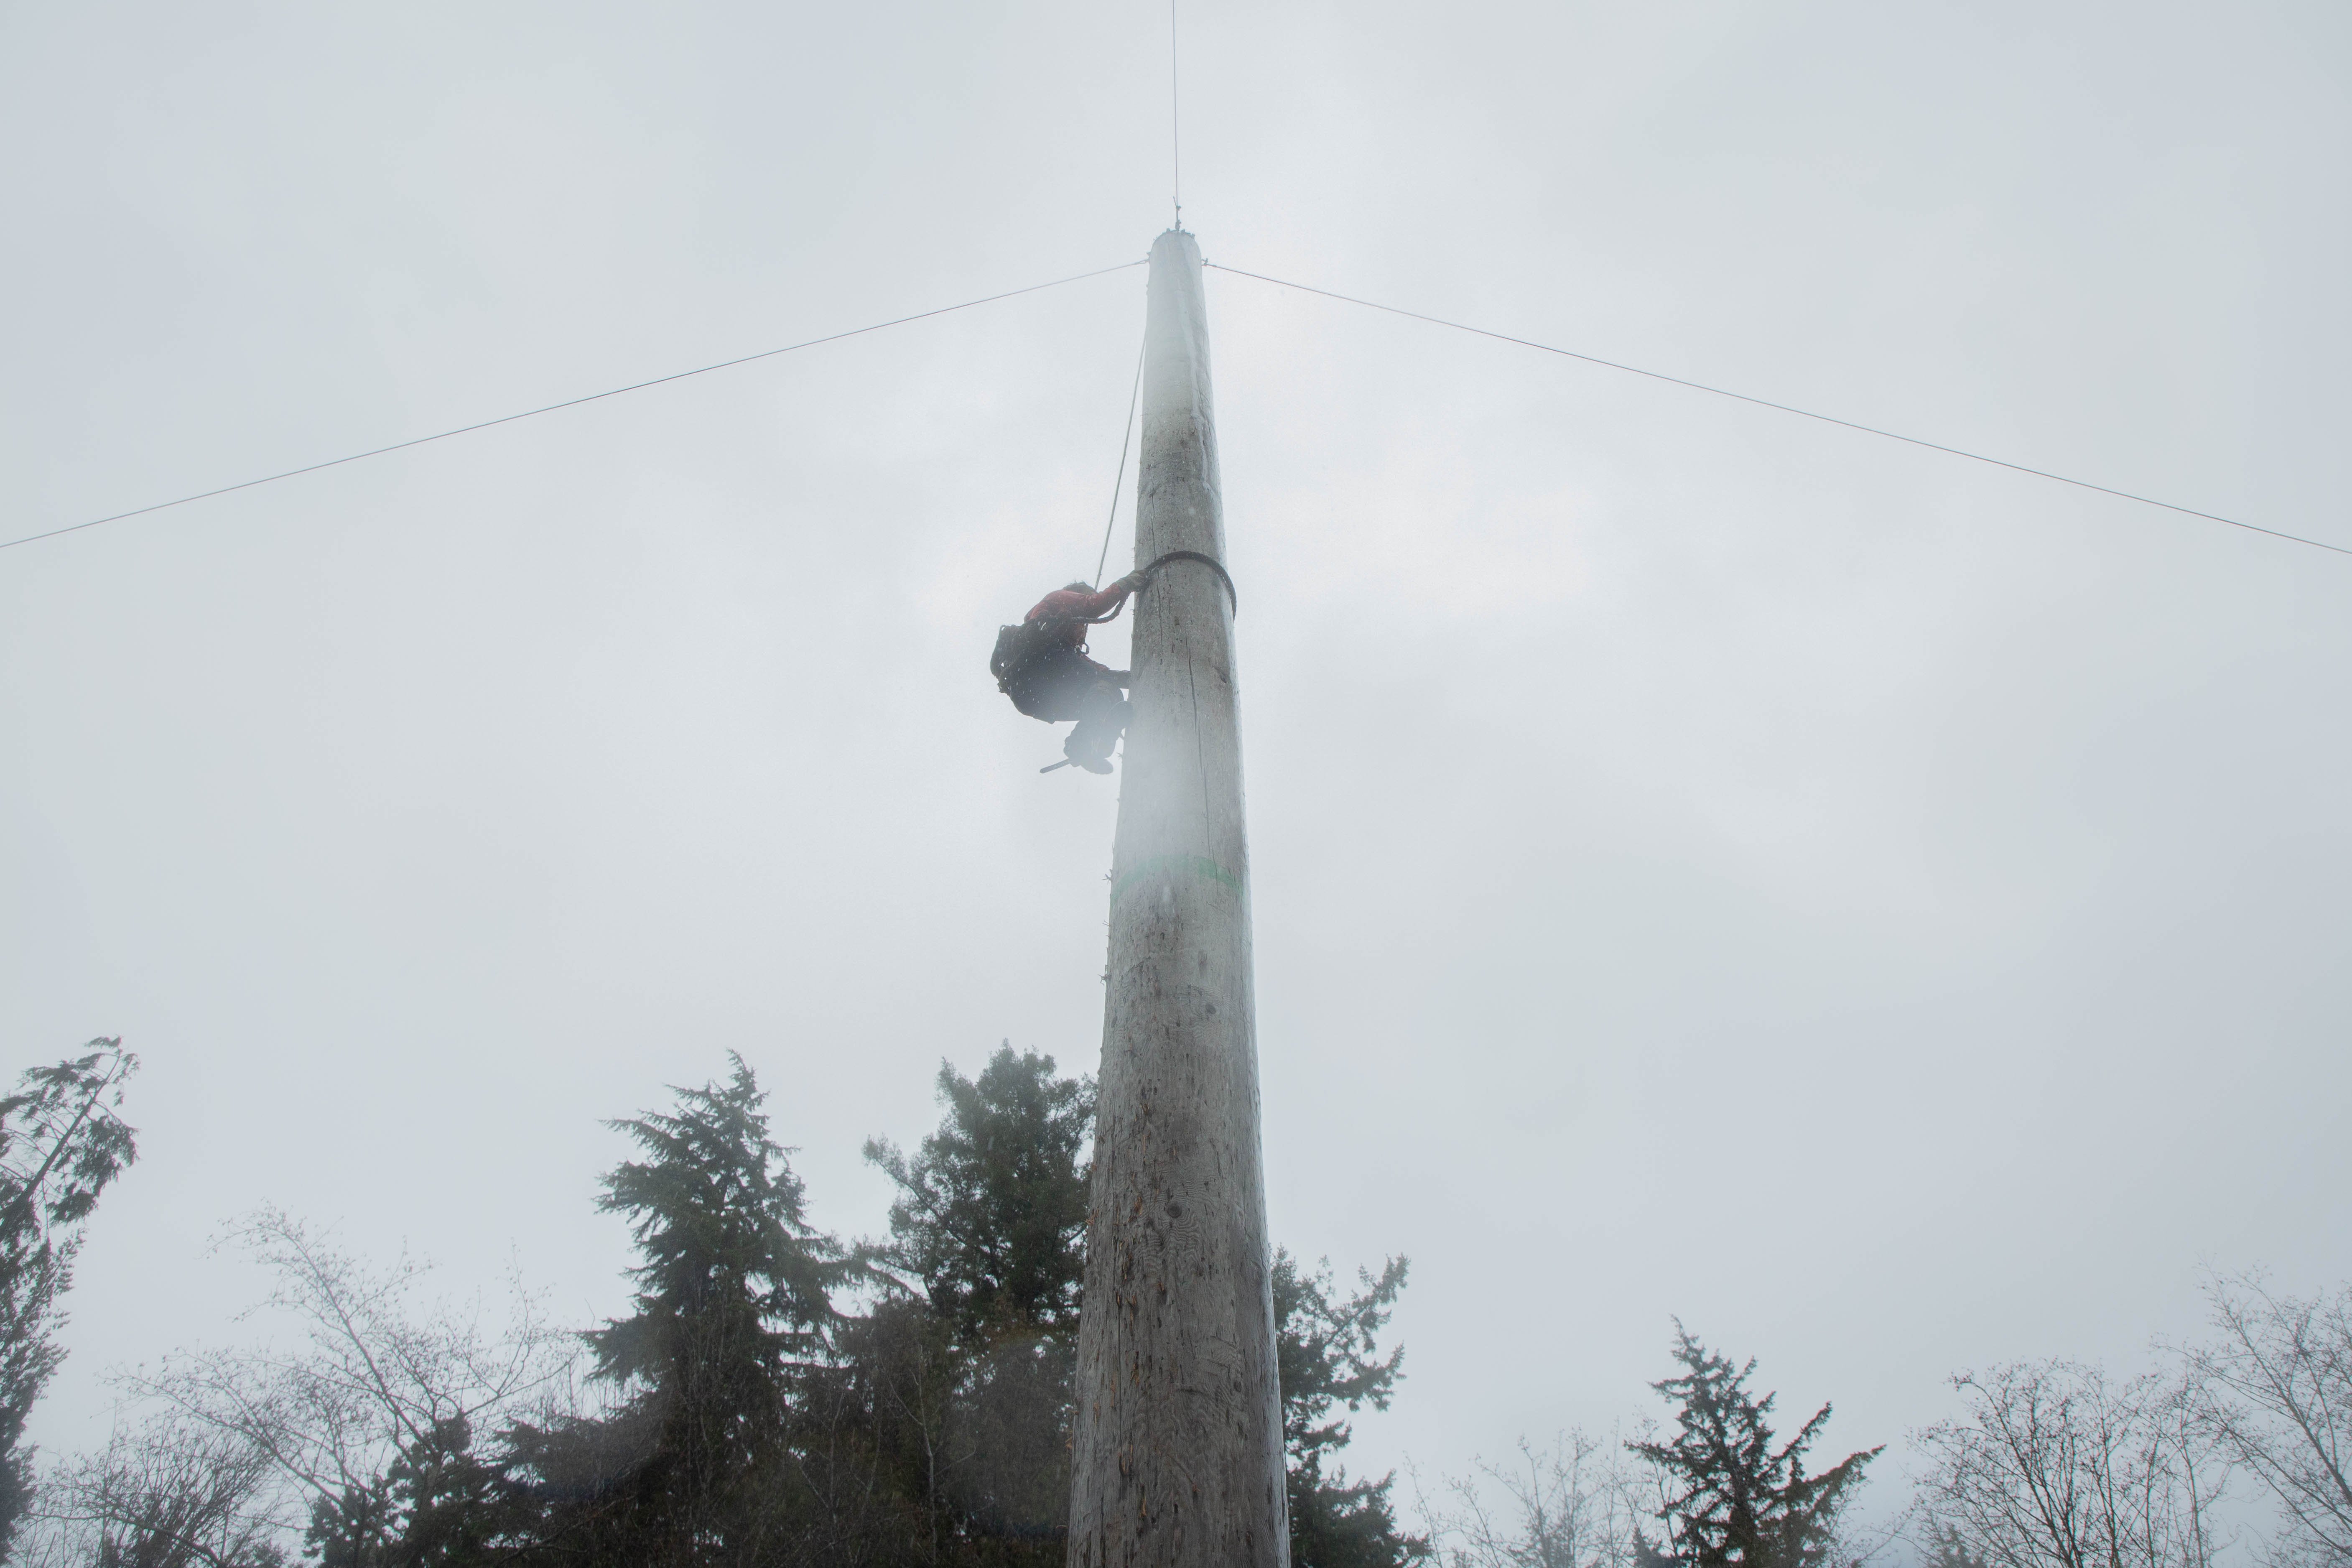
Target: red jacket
x=1076, y=609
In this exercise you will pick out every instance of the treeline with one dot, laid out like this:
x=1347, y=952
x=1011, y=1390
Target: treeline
x=774, y=1395
x=778, y=1396
x=2236, y=1449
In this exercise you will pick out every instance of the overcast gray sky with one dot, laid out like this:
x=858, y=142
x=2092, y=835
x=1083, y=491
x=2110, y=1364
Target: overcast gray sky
x=1888, y=911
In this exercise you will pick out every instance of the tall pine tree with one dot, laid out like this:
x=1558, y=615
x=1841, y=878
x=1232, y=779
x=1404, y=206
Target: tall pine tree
x=991, y=1215
x=989, y=1227
x=1327, y=1346
x=733, y=1302
x=973, y=1375
x=1731, y=1499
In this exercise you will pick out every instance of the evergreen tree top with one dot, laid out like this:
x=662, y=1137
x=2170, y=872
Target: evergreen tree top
x=719, y=1219
x=992, y=1211
x=1732, y=1498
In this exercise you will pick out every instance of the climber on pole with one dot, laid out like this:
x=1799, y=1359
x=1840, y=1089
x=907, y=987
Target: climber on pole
x=1042, y=665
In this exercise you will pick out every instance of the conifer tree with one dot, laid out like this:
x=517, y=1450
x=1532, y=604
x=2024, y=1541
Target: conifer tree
x=1732, y=1498
x=439, y=1504
x=733, y=1301
x=990, y=1226
x=991, y=1215
x=1328, y=1352
x=61, y=1144
x=1947, y=1548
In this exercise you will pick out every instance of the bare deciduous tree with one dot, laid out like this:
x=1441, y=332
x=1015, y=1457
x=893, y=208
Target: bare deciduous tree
x=1571, y=1505
x=2056, y=1467
x=268, y=1437
x=2276, y=1392
x=169, y=1493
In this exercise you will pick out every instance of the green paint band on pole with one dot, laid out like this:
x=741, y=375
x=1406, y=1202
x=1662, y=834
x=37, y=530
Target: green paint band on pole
x=1199, y=864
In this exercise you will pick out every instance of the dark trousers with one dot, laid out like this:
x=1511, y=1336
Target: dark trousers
x=1062, y=683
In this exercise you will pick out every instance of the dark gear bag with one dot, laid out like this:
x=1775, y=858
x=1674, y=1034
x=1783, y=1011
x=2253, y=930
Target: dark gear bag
x=1017, y=647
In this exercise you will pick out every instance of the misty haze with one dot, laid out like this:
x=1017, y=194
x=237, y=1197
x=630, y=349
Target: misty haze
x=1496, y=786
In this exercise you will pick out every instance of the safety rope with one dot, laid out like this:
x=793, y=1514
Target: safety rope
x=1126, y=435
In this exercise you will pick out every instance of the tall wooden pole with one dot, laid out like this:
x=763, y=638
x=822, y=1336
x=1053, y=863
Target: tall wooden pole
x=1177, y=1455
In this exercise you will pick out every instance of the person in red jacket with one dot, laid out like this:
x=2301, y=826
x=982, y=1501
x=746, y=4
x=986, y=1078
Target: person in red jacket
x=1042, y=665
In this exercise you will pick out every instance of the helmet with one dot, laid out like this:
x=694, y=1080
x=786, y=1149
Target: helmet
x=1078, y=587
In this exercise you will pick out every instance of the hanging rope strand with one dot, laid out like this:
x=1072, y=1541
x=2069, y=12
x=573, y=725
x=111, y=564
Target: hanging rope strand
x=1126, y=435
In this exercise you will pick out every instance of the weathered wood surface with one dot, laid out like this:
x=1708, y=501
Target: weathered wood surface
x=1177, y=1457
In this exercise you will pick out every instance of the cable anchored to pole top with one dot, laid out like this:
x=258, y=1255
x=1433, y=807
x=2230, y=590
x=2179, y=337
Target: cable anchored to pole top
x=1783, y=408
x=567, y=403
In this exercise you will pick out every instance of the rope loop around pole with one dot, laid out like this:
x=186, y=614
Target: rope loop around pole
x=1210, y=561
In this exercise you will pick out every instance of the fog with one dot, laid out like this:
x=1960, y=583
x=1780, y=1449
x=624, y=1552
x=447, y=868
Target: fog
x=1885, y=909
